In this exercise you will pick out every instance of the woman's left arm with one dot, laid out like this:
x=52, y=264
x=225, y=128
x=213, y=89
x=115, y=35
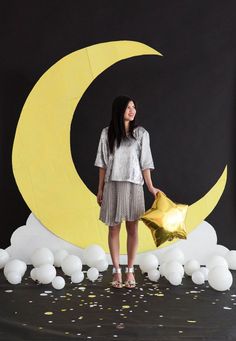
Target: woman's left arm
x=147, y=177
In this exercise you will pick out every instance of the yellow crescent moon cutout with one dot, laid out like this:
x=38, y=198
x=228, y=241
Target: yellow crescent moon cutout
x=42, y=163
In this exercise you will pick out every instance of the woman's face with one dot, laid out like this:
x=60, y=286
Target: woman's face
x=130, y=111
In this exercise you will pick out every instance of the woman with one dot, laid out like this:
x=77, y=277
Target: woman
x=124, y=158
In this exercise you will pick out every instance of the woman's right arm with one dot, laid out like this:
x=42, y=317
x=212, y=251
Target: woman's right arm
x=102, y=172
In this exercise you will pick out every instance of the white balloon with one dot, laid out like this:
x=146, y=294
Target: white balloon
x=220, y=278
x=58, y=282
x=205, y=272
x=70, y=264
x=46, y=273
x=174, y=278
x=174, y=266
x=154, y=275
x=230, y=257
x=219, y=250
x=13, y=277
x=198, y=277
x=92, y=254
x=59, y=255
x=175, y=254
x=15, y=265
x=18, y=235
x=101, y=265
x=42, y=256
x=77, y=276
x=190, y=266
x=148, y=261
x=162, y=269
x=33, y=274
x=216, y=261
x=4, y=258
x=92, y=274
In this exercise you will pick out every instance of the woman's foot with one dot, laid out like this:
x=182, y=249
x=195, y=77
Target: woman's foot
x=117, y=278
x=130, y=280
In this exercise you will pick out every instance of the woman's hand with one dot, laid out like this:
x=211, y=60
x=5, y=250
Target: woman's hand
x=99, y=197
x=154, y=191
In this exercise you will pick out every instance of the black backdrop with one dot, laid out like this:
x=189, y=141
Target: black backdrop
x=186, y=99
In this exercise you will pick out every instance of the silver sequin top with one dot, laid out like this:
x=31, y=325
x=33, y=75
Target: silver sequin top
x=126, y=162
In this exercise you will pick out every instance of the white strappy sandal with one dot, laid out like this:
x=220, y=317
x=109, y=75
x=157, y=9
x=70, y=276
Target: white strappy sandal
x=116, y=283
x=130, y=283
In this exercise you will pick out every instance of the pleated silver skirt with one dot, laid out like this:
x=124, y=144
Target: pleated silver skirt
x=121, y=200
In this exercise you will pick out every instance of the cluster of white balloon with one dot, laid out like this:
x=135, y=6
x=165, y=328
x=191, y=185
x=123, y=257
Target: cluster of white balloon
x=45, y=263
x=172, y=266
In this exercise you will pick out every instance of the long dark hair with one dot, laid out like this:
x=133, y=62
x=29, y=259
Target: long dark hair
x=116, y=130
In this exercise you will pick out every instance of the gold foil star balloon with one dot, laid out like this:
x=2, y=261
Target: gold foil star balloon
x=166, y=219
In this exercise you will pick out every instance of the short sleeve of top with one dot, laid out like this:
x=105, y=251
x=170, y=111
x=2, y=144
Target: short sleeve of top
x=146, y=160
x=102, y=151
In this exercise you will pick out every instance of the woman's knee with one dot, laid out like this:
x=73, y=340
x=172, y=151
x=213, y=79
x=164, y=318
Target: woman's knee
x=114, y=230
x=132, y=228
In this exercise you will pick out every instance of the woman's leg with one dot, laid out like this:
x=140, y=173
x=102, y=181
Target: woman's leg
x=132, y=244
x=132, y=241
x=114, y=244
